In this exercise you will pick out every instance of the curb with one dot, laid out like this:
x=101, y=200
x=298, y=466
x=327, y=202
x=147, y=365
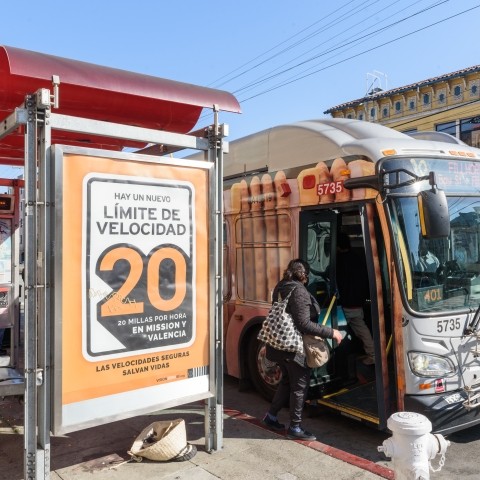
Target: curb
x=346, y=457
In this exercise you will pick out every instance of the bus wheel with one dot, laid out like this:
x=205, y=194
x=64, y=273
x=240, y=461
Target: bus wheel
x=265, y=375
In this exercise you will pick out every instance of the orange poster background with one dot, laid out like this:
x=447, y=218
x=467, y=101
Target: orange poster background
x=82, y=379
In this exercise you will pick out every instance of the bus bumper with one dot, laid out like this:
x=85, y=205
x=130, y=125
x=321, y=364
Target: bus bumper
x=445, y=411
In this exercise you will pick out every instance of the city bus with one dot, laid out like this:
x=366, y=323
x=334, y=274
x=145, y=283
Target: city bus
x=290, y=191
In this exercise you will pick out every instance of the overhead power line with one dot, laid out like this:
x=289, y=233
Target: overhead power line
x=352, y=42
x=283, y=84
x=335, y=49
x=216, y=84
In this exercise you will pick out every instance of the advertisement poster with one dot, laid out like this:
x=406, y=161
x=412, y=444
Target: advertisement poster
x=139, y=271
x=133, y=313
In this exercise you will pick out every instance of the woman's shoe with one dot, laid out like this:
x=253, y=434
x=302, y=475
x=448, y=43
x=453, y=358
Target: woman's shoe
x=300, y=434
x=273, y=424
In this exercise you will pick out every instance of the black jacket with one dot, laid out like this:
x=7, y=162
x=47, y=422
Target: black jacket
x=352, y=279
x=304, y=310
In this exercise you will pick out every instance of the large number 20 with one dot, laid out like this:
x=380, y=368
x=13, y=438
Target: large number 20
x=134, y=258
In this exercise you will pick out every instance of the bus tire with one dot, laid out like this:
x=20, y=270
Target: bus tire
x=265, y=375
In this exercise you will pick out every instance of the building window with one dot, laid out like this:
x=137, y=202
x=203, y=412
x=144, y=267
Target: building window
x=426, y=99
x=441, y=97
x=398, y=107
x=349, y=116
x=448, y=127
x=411, y=105
x=457, y=91
x=473, y=86
x=373, y=112
x=470, y=131
x=385, y=112
x=360, y=116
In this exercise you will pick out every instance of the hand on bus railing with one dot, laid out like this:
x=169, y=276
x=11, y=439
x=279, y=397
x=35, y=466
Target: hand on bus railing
x=337, y=336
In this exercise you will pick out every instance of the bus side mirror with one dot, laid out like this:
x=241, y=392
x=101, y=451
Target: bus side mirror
x=433, y=212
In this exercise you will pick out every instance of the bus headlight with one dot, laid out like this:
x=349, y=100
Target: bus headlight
x=428, y=365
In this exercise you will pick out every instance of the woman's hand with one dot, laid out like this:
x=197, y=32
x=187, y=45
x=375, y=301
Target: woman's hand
x=337, y=336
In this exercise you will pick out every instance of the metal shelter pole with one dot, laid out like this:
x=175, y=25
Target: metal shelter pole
x=44, y=268
x=214, y=405
x=37, y=274
x=30, y=422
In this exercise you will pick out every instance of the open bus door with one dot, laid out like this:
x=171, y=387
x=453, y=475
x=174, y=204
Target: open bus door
x=317, y=241
x=345, y=384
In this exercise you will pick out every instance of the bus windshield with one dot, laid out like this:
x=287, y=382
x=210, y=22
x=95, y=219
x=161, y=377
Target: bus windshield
x=439, y=275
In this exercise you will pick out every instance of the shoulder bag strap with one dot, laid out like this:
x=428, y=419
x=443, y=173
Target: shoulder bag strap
x=287, y=297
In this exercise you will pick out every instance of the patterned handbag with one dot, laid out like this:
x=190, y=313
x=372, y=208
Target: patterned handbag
x=278, y=329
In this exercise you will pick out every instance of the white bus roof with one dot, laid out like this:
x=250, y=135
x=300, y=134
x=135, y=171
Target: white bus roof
x=309, y=142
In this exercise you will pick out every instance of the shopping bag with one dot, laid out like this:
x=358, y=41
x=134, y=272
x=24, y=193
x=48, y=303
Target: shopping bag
x=163, y=441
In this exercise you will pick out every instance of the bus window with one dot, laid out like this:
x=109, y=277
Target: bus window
x=440, y=274
x=227, y=282
x=318, y=258
x=263, y=244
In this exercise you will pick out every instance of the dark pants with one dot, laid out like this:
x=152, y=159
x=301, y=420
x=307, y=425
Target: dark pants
x=292, y=390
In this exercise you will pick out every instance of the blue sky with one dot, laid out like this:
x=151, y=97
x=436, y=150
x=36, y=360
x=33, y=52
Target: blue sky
x=259, y=50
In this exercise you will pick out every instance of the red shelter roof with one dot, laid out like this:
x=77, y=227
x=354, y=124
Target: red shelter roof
x=100, y=93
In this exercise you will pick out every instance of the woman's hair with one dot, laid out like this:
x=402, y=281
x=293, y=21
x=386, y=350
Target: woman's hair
x=297, y=269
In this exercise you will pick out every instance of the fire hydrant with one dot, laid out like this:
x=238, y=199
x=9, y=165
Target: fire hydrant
x=412, y=446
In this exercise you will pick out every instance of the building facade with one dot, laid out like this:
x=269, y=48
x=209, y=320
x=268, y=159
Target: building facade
x=449, y=103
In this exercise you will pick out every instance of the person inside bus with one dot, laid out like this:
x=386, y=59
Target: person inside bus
x=352, y=284
x=427, y=261
x=295, y=379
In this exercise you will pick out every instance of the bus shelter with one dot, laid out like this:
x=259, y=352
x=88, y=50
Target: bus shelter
x=122, y=245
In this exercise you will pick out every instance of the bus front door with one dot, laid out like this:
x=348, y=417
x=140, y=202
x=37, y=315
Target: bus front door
x=348, y=383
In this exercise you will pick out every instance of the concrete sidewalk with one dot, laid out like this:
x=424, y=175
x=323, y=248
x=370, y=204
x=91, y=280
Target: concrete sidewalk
x=250, y=451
